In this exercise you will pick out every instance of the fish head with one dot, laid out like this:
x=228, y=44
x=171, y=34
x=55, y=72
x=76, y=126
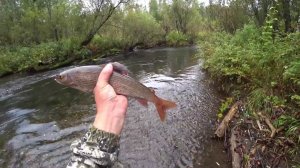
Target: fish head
x=63, y=78
x=80, y=78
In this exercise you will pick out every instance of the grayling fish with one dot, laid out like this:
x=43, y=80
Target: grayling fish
x=85, y=78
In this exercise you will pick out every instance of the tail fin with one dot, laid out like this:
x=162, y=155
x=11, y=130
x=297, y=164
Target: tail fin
x=162, y=105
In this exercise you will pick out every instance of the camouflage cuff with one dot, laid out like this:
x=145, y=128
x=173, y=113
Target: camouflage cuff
x=108, y=142
x=97, y=147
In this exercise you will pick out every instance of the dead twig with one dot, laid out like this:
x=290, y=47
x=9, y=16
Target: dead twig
x=224, y=124
x=270, y=125
x=259, y=125
x=236, y=159
x=251, y=156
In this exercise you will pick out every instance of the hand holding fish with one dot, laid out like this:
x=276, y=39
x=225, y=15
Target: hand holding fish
x=111, y=108
x=84, y=78
x=110, y=89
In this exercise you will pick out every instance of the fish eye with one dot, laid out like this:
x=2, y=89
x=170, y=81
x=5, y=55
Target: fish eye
x=59, y=77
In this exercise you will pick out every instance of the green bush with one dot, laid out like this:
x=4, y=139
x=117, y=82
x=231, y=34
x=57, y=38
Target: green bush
x=176, y=38
x=246, y=35
x=141, y=28
x=248, y=57
x=103, y=43
x=263, y=66
x=17, y=59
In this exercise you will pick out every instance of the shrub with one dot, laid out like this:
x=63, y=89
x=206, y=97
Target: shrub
x=176, y=38
x=247, y=56
x=103, y=43
x=140, y=28
x=264, y=68
x=15, y=59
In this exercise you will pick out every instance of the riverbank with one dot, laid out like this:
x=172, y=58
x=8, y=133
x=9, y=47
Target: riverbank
x=260, y=69
x=52, y=55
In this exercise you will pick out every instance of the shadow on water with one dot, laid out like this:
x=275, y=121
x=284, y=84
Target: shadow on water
x=39, y=118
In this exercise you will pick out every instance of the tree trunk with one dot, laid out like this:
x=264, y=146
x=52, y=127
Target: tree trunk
x=56, y=34
x=88, y=39
x=99, y=14
x=265, y=4
x=286, y=15
x=36, y=35
x=256, y=13
x=53, y=26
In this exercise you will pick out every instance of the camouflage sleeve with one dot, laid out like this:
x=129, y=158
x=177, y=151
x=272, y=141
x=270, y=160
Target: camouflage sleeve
x=96, y=149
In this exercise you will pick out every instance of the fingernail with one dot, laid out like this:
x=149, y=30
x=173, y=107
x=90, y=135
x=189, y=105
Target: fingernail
x=107, y=66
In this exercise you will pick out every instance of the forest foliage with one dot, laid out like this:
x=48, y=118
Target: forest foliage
x=250, y=46
x=258, y=61
x=41, y=34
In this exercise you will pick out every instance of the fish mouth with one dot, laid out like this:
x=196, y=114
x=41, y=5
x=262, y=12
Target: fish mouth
x=56, y=78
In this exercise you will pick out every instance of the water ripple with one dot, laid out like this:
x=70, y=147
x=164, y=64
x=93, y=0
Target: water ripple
x=39, y=118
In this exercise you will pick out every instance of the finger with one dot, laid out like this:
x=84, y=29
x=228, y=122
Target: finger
x=104, y=76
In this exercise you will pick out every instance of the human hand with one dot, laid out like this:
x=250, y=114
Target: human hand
x=111, y=108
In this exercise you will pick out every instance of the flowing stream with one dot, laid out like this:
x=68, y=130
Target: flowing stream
x=40, y=118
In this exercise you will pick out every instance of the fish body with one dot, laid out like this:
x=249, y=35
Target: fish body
x=85, y=78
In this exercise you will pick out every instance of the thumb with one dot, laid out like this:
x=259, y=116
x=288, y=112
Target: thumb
x=105, y=75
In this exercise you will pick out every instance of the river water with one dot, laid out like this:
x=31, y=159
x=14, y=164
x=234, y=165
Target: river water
x=40, y=118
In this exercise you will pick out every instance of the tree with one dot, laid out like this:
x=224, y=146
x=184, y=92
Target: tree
x=166, y=22
x=286, y=14
x=49, y=5
x=180, y=13
x=101, y=11
x=140, y=28
x=153, y=8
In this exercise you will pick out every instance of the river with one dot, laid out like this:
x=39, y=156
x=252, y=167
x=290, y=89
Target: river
x=40, y=118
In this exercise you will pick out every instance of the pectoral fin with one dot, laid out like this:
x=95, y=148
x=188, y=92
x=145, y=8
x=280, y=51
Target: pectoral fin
x=143, y=102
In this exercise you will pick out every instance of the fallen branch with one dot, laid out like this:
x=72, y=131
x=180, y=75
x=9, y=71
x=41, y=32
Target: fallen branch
x=224, y=124
x=236, y=159
x=270, y=125
x=252, y=154
x=259, y=125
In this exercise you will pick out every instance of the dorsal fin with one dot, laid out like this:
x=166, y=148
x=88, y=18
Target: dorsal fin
x=120, y=68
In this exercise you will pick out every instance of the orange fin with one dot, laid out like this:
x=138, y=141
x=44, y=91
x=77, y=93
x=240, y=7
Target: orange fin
x=161, y=107
x=143, y=102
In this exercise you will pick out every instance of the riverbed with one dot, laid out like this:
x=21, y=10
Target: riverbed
x=40, y=118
